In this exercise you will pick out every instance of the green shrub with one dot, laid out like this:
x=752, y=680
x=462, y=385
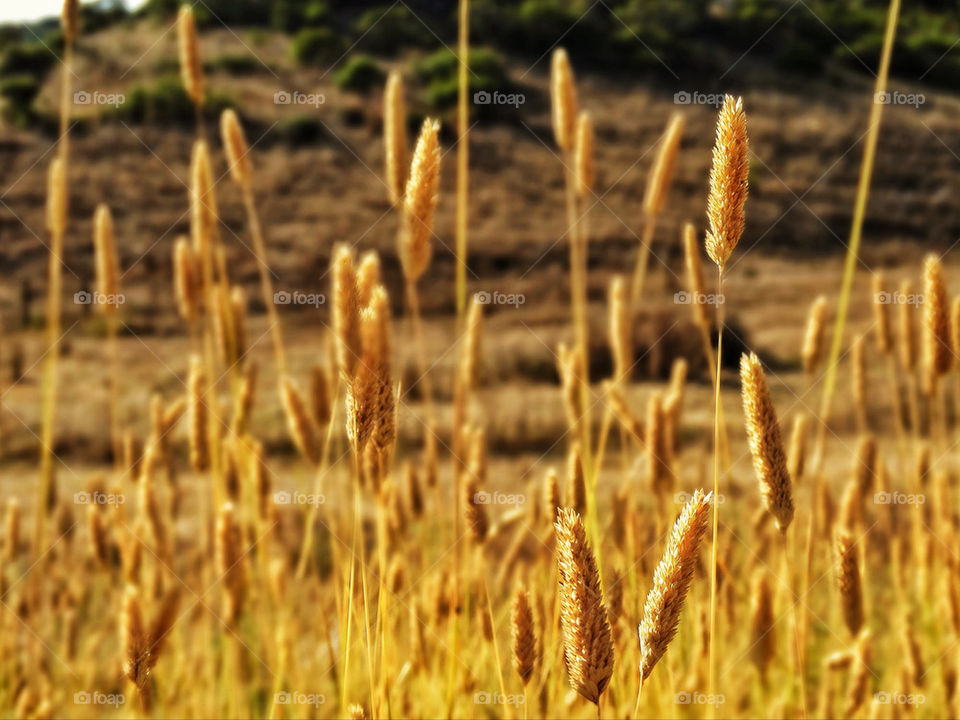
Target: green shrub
x=30, y=58
x=360, y=74
x=382, y=31
x=18, y=93
x=439, y=72
x=292, y=15
x=316, y=46
x=240, y=64
x=167, y=102
x=301, y=130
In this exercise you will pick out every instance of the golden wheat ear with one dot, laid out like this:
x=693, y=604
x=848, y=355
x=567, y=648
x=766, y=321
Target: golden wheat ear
x=671, y=582
x=420, y=200
x=563, y=99
x=524, y=636
x=728, y=182
x=191, y=69
x=395, y=136
x=587, y=639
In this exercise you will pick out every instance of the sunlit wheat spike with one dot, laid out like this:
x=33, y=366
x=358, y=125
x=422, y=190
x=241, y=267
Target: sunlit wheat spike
x=395, y=135
x=524, y=637
x=662, y=172
x=321, y=400
x=375, y=333
x=135, y=645
x=907, y=334
x=865, y=464
x=796, y=457
x=812, y=351
x=199, y=430
x=763, y=621
x=583, y=155
x=236, y=148
x=191, y=68
x=57, y=198
x=728, y=182
x=671, y=581
x=576, y=480
x=243, y=402
x=187, y=281
x=475, y=510
x=470, y=360
x=937, y=357
x=766, y=443
x=563, y=99
x=849, y=582
x=70, y=19
x=551, y=495
x=230, y=563
x=691, y=254
x=587, y=639
x=368, y=277
x=203, y=205
x=108, y=272
x=346, y=311
x=570, y=367
x=882, y=325
x=659, y=462
x=299, y=422
x=620, y=344
x=419, y=201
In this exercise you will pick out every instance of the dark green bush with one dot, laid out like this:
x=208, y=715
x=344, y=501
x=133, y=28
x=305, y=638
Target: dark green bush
x=360, y=74
x=292, y=15
x=18, y=93
x=439, y=72
x=167, y=102
x=384, y=32
x=316, y=46
x=29, y=58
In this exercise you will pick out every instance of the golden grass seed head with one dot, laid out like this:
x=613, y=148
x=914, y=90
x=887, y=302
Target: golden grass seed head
x=321, y=400
x=563, y=99
x=766, y=443
x=191, y=67
x=551, y=495
x=695, y=286
x=299, y=422
x=620, y=345
x=659, y=462
x=661, y=174
x=230, y=563
x=368, y=277
x=420, y=200
x=203, y=206
x=187, y=280
x=587, y=638
x=728, y=182
x=937, y=356
x=395, y=135
x=11, y=544
x=524, y=636
x=583, y=155
x=358, y=712
x=576, y=480
x=796, y=456
x=108, y=272
x=849, y=582
x=70, y=19
x=671, y=581
x=813, y=339
x=236, y=148
x=346, y=311
x=866, y=464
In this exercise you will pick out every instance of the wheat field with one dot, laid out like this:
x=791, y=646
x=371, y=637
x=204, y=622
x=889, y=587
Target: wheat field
x=725, y=545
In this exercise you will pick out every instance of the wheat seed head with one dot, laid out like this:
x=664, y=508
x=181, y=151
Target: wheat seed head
x=368, y=276
x=728, y=182
x=191, y=69
x=187, y=282
x=813, y=339
x=420, y=200
x=199, y=437
x=662, y=172
x=395, y=135
x=765, y=441
x=300, y=422
x=619, y=328
x=563, y=99
x=937, y=357
x=70, y=19
x=346, y=311
x=671, y=581
x=235, y=145
x=470, y=361
x=583, y=155
x=524, y=636
x=695, y=286
x=849, y=582
x=796, y=457
x=108, y=273
x=587, y=639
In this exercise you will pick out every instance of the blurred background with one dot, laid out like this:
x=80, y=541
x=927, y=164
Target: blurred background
x=307, y=81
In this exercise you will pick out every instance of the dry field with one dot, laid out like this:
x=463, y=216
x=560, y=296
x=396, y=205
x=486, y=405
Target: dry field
x=264, y=455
